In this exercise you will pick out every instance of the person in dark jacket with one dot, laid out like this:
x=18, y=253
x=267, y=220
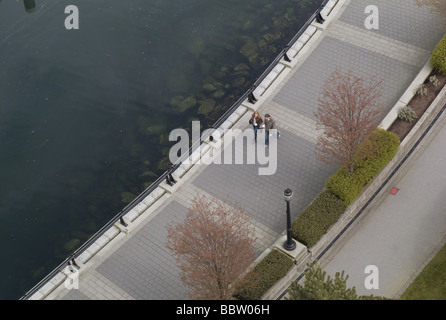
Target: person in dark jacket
x=269, y=125
x=256, y=121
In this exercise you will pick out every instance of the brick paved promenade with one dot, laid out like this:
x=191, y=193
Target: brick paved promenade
x=137, y=265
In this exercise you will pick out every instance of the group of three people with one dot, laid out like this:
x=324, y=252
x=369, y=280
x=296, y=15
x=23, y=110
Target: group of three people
x=257, y=123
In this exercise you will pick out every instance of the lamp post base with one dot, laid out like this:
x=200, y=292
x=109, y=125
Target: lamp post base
x=289, y=246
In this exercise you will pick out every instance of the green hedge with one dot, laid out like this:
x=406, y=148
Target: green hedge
x=438, y=57
x=379, y=149
x=317, y=218
x=273, y=267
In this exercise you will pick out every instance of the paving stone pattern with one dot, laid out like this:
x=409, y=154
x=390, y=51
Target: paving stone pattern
x=296, y=169
x=75, y=295
x=400, y=20
x=302, y=91
x=143, y=266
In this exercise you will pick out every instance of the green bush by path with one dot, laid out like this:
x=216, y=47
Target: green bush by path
x=317, y=218
x=407, y=113
x=438, y=57
x=273, y=267
x=430, y=284
x=320, y=286
x=377, y=151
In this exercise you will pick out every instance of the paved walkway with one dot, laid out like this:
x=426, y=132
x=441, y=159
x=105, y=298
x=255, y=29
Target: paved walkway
x=137, y=265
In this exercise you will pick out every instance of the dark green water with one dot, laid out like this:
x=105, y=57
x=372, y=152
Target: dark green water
x=85, y=114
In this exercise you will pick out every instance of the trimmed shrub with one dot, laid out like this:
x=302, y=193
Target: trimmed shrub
x=376, y=152
x=438, y=57
x=345, y=186
x=407, y=113
x=273, y=267
x=421, y=90
x=434, y=80
x=317, y=218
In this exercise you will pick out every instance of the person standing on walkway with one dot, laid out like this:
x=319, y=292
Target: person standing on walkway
x=269, y=125
x=256, y=121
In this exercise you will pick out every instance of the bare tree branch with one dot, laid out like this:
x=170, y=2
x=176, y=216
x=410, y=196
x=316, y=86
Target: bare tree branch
x=437, y=6
x=213, y=247
x=349, y=108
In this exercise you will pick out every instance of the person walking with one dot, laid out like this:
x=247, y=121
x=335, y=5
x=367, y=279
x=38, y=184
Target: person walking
x=256, y=121
x=269, y=125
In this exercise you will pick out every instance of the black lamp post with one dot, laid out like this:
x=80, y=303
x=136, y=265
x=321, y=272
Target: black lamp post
x=289, y=244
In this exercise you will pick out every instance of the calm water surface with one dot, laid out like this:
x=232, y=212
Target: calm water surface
x=85, y=114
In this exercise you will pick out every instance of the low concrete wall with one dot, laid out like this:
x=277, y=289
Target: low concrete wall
x=407, y=96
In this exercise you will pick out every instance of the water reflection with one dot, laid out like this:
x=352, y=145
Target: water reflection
x=30, y=5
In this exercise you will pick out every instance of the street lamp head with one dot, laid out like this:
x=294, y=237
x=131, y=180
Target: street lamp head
x=287, y=194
